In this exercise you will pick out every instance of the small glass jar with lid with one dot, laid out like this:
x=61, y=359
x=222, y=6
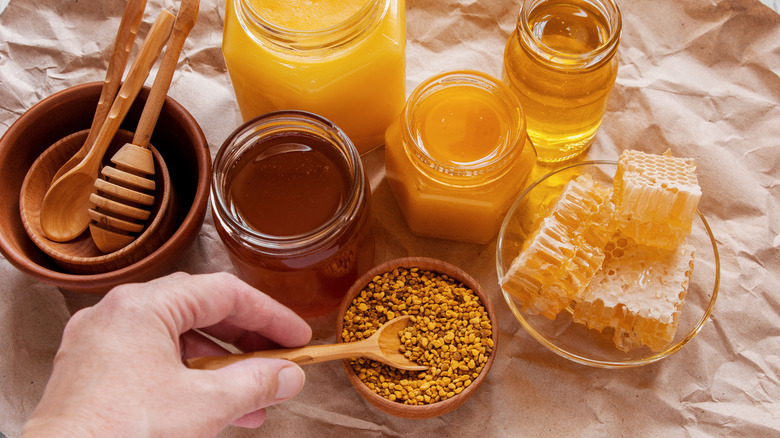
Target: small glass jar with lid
x=341, y=59
x=291, y=203
x=458, y=156
x=562, y=62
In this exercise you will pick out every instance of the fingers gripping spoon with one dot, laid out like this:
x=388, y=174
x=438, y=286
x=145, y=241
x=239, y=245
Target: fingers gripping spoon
x=64, y=207
x=123, y=44
x=120, y=198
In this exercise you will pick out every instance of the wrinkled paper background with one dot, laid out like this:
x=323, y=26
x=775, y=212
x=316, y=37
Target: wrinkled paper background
x=700, y=77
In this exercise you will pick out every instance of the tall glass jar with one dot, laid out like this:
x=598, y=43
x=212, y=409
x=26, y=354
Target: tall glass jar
x=342, y=59
x=458, y=156
x=561, y=60
x=291, y=203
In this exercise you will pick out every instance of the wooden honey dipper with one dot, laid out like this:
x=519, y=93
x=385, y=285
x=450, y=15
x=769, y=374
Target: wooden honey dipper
x=64, y=208
x=120, y=199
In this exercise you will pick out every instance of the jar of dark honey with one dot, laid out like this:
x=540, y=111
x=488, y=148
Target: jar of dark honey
x=291, y=202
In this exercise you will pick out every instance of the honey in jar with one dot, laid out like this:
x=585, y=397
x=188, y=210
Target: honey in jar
x=341, y=59
x=291, y=204
x=458, y=156
x=561, y=62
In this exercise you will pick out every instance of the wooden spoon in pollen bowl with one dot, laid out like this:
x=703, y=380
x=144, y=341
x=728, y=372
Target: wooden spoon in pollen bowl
x=383, y=346
x=121, y=200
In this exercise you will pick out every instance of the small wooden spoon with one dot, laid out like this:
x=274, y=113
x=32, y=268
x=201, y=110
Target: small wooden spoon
x=123, y=43
x=64, y=209
x=121, y=200
x=382, y=346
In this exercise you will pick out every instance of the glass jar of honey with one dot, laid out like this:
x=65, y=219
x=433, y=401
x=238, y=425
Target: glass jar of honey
x=561, y=60
x=458, y=156
x=341, y=59
x=291, y=203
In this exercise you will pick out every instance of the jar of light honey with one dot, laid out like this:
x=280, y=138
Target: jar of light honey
x=458, y=156
x=291, y=203
x=341, y=59
x=561, y=60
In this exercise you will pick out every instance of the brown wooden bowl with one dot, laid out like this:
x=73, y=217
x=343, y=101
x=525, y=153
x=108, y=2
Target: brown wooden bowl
x=81, y=255
x=179, y=141
x=434, y=409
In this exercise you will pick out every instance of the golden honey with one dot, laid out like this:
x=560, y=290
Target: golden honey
x=458, y=156
x=341, y=59
x=561, y=62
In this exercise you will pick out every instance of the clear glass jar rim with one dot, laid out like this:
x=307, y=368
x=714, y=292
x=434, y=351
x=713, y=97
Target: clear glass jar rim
x=263, y=31
x=473, y=78
x=243, y=138
x=611, y=12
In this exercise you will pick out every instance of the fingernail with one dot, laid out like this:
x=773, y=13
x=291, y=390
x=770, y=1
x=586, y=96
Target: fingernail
x=290, y=382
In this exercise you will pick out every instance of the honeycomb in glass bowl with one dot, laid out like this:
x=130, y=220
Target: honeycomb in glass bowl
x=638, y=293
x=565, y=251
x=656, y=197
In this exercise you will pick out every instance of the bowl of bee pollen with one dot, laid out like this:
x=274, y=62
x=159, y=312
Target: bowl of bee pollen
x=451, y=331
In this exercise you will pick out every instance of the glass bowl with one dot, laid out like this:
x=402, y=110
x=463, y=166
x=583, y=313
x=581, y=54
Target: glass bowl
x=575, y=341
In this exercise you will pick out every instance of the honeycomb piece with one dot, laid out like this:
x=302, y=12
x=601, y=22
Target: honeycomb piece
x=564, y=252
x=639, y=292
x=655, y=197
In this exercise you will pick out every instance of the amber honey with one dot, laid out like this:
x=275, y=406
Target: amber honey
x=561, y=61
x=289, y=185
x=291, y=204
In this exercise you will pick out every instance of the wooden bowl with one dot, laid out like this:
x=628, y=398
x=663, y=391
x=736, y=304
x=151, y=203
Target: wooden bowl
x=180, y=143
x=428, y=410
x=81, y=256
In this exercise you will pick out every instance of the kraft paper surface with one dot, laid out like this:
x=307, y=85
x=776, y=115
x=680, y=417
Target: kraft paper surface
x=700, y=77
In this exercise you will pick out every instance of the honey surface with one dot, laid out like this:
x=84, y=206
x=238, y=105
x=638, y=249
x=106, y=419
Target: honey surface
x=569, y=28
x=288, y=188
x=462, y=125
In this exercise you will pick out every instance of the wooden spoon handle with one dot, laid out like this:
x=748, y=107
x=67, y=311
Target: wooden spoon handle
x=123, y=44
x=185, y=20
x=139, y=70
x=128, y=28
x=302, y=356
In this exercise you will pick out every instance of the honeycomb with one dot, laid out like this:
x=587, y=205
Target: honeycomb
x=639, y=293
x=655, y=197
x=564, y=252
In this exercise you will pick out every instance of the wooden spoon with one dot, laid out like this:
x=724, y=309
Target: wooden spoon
x=121, y=200
x=64, y=207
x=382, y=346
x=123, y=43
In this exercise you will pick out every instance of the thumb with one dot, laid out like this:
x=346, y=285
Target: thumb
x=243, y=389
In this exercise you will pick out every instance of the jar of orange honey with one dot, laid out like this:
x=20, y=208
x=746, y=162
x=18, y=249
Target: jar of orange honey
x=291, y=203
x=341, y=59
x=458, y=156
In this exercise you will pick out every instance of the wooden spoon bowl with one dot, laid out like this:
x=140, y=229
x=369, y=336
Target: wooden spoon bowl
x=81, y=255
x=427, y=410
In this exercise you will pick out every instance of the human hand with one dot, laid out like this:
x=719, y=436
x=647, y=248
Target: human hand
x=119, y=369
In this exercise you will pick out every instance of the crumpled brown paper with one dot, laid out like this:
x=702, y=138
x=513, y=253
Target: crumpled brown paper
x=699, y=77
